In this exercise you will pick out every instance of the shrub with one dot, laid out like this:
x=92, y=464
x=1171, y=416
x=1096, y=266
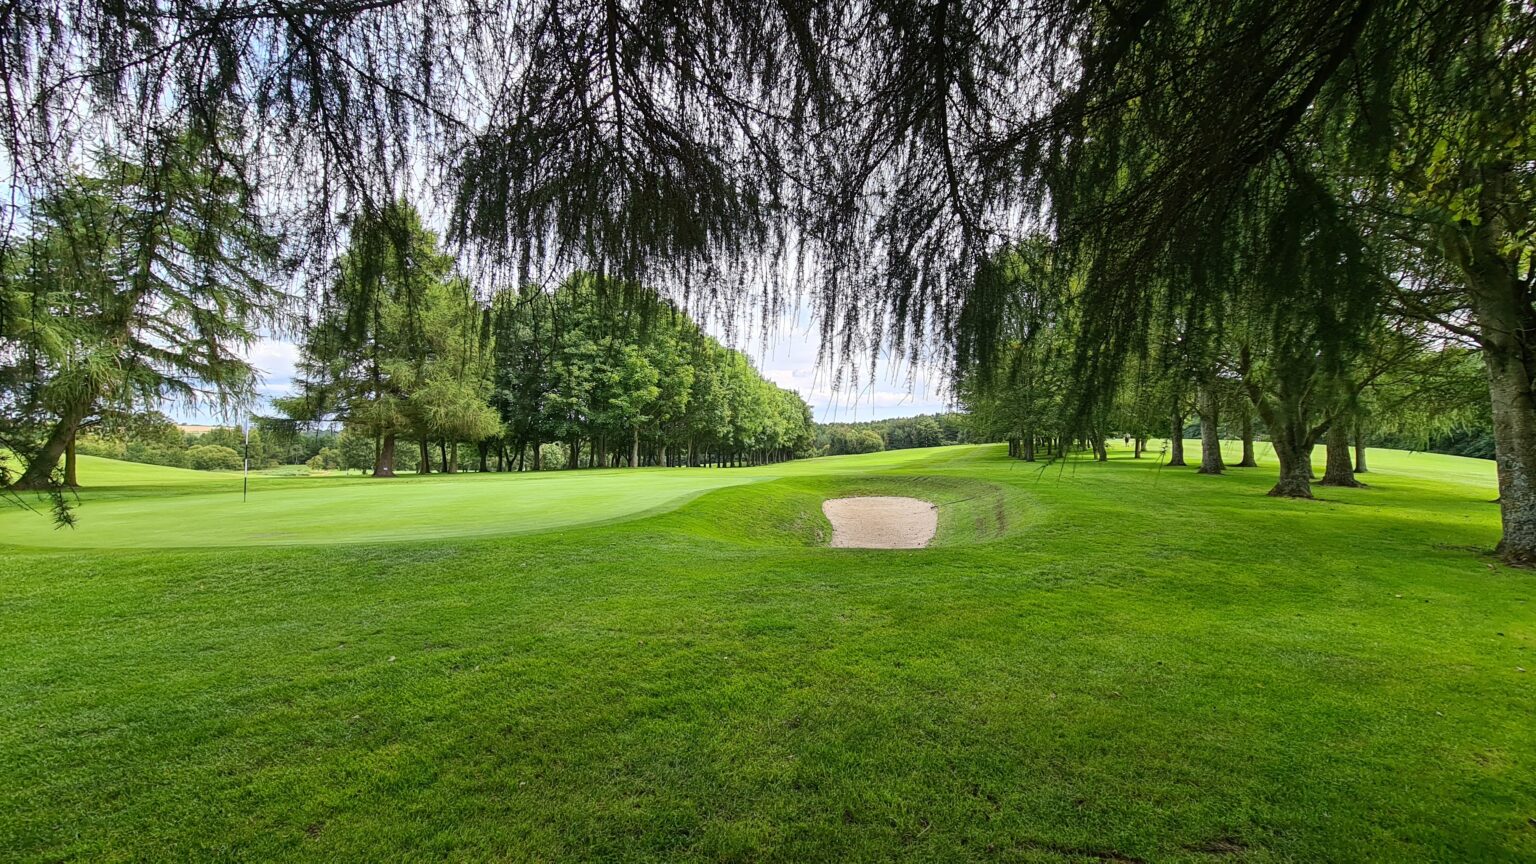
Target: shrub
x=214, y=457
x=356, y=449
x=137, y=451
x=90, y=445
x=328, y=459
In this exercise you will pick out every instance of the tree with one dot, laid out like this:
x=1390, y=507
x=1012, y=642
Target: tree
x=1020, y=393
x=354, y=450
x=141, y=283
x=450, y=402
x=889, y=151
x=639, y=383
x=1453, y=186
x=368, y=350
x=524, y=349
x=677, y=138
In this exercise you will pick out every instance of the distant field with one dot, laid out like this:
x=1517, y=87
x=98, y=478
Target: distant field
x=1113, y=662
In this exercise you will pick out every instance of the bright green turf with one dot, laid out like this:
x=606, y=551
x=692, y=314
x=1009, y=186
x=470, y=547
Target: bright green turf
x=1095, y=663
x=147, y=506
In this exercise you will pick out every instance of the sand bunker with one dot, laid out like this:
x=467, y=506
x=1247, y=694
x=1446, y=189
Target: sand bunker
x=881, y=522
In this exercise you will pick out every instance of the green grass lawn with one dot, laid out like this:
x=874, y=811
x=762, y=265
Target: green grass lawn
x=1095, y=662
x=147, y=506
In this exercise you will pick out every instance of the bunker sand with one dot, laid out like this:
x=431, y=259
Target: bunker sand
x=881, y=522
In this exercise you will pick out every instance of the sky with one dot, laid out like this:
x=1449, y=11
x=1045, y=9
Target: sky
x=788, y=359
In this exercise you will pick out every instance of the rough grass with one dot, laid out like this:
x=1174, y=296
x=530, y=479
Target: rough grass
x=1094, y=663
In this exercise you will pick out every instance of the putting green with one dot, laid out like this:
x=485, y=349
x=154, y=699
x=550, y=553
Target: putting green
x=143, y=506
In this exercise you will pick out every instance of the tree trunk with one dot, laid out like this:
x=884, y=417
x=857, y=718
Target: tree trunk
x=71, y=478
x=426, y=458
x=1514, y=439
x=1248, y=460
x=485, y=450
x=1029, y=448
x=1339, y=471
x=1295, y=465
x=573, y=459
x=39, y=473
x=1209, y=409
x=1360, y=449
x=1506, y=330
x=1176, y=441
x=384, y=462
x=634, y=448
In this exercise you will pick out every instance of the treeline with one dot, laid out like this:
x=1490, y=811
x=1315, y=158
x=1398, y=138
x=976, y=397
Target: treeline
x=152, y=438
x=1270, y=372
x=592, y=373
x=900, y=433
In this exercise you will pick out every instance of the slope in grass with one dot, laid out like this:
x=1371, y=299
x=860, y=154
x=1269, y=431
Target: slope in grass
x=129, y=505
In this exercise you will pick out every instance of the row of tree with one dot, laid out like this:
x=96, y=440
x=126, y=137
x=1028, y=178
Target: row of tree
x=403, y=349
x=898, y=433
x=152, y=438
x=1244, y=196
x=1266, y=373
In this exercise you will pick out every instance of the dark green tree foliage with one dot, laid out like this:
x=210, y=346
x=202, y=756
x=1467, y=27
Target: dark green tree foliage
x=841, y=439
x=136, y=285
x=214, y=457
x=397, y=347
x=1309, y=305
x=887, y=147
x=1451, y=182
x=632, y=385
x=1020, y=394
x=898, y=433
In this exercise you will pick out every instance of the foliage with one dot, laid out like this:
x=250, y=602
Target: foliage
x=841, y=439
x=396, y=350
x=328, y=459
x=643, y=383
x=214, y=457
x=355, y=451
x=135, y=285
x=899, y=433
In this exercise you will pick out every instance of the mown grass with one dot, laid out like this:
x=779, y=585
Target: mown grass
x=1109, y=662
x=146, y=506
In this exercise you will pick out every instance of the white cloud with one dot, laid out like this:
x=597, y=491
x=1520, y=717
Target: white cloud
x=275, y=362
x=789, y=359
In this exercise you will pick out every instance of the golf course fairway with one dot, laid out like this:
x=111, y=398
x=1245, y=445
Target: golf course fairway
x=1090, y=662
